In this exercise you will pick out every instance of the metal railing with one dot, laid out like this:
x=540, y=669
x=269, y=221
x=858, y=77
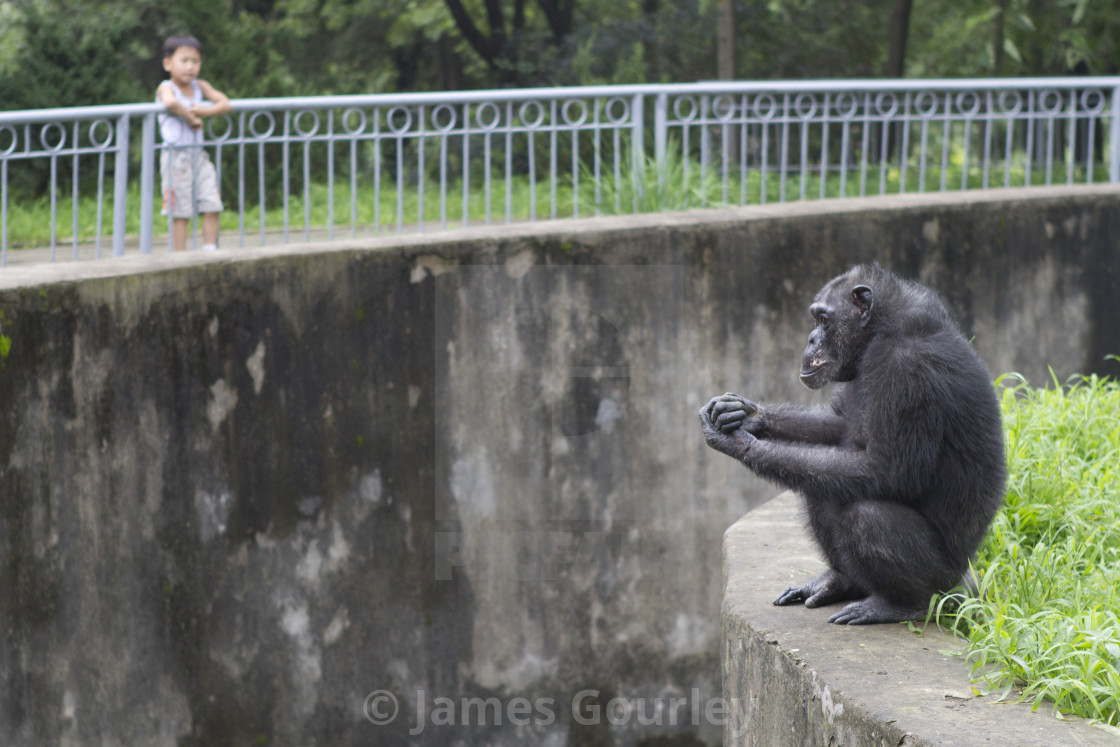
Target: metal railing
x=321, y=167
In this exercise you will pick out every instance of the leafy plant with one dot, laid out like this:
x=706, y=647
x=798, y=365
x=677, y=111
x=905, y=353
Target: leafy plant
x=639, y=186
x=1048, y=620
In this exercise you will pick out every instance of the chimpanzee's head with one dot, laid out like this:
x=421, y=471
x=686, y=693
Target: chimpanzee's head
x=841, y=311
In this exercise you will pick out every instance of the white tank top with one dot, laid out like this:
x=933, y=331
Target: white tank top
x=174, y=130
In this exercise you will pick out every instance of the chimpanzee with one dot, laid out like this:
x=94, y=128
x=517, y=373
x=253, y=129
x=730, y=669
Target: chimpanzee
x=903, y=472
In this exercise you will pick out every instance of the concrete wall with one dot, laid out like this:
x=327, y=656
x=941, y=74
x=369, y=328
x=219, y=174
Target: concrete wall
x=241, y=494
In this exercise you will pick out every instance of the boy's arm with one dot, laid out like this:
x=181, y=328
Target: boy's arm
x=174, y=106
x=219, y=102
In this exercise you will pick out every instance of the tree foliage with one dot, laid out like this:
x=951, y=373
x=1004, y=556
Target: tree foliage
x=74, y=52
x=56, y=61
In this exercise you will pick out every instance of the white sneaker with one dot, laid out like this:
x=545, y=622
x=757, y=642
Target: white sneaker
x=209, y=247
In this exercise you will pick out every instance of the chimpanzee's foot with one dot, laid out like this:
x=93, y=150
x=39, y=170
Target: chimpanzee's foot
x=875, y=609
x=827, y=588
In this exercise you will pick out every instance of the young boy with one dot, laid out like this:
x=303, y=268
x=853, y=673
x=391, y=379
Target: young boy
x=185, y=169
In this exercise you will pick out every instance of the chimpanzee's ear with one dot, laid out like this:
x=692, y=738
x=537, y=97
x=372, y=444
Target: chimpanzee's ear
x=864, y=300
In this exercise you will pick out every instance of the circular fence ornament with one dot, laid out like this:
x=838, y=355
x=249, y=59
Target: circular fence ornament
x=531, y=114
x=1092, y=101
x=9, y=131
x=446, y=113
x=347, y=121
x=968, y=103
x=1010, y=103
x=44, y=137
x=886, y=104
x=491, y=110
x=399, y=120
x=805, y=105
x=692, y=108
x=772, y=106
x=566, y=112
x=925, y=104
x=306, y=131
x=623, y=107
x=1050, y=101
x=846, y=106
x=223, y=136
x=270, y=121
x=724, y=109
x=107, y=141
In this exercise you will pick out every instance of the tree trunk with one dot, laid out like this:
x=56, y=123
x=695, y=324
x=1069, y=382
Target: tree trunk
x=725, y=41
x=899, y=30
x=997, y=42
x=558, y=13
x=448, y=70
x=652, y=48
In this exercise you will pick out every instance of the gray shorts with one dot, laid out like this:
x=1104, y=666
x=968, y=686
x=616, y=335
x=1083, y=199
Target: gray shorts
x=179, y=169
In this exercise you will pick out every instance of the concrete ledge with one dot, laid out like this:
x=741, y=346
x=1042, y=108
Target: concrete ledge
x=793, y=679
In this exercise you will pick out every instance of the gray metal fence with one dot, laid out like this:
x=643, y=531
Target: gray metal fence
x=326, y=167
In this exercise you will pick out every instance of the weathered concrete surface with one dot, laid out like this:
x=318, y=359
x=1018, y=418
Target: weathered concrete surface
x=795, y=679
x=239, y=493
x=1031, y=272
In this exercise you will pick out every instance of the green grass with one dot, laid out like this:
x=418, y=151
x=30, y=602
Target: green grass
x=1048, y=622
x=29, y=221
x=684, y=185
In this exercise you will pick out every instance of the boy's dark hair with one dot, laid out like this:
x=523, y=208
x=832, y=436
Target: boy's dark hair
x=175, y=42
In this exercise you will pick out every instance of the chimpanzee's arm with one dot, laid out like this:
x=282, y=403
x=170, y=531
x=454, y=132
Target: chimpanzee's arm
x=899, y=462
x=842, y=474
x=814, y=425
x=845, y=474
x=783, y=422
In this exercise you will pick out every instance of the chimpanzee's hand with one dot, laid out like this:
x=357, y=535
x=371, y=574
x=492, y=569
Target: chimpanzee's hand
x=734, y=444
x=731, y=411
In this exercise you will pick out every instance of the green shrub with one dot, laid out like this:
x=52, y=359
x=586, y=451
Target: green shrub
x=1048, y=621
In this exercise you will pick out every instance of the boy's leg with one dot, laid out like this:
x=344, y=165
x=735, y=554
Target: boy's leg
x=179, y=233
x=210, y=230
x=209, y=201
x=175, y=175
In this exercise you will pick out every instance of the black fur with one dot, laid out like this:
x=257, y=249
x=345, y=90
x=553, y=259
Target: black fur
x=903, y=473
